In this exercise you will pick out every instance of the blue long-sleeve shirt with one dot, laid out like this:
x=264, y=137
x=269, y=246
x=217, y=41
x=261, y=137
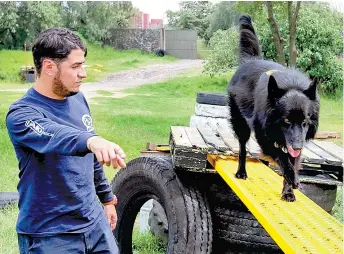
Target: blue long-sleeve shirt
x=59, y=178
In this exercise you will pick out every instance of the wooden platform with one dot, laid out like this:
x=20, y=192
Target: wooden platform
x=190, y=147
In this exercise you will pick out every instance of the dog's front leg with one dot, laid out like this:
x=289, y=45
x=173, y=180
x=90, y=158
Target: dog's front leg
x=291, y=179
x=241, y=173
x=290, y=174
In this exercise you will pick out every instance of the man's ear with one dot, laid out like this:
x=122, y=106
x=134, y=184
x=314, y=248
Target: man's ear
x=274, y=92
x=49, y=67
x=311, y=92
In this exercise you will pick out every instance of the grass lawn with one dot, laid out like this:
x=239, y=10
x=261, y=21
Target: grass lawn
x=100, y=62
x=131, y=122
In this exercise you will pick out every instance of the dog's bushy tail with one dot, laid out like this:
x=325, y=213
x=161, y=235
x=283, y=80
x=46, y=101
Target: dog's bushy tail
x=248, y=40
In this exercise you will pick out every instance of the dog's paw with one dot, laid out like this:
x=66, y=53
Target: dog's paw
x=241, y=175
x=289, y=197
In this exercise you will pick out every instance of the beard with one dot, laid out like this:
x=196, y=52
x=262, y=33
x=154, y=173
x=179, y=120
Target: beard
x=59, y=88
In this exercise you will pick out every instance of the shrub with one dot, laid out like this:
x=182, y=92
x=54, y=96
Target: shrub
x=319, y=42
x=224, y=55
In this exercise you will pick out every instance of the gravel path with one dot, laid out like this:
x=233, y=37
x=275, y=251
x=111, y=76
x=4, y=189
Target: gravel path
x=140, y=76
x=134, y=77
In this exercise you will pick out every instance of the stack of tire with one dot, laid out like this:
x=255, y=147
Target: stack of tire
x=202, y=213
x=235, y=229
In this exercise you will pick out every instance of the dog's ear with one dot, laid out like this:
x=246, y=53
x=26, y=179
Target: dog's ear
x=311, y=92
x=274, y=92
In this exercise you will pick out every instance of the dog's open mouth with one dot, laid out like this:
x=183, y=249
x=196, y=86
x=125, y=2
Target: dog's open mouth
x=289, y=149
x=294, y=153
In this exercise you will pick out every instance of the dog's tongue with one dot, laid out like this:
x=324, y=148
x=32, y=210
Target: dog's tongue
x=292, y=152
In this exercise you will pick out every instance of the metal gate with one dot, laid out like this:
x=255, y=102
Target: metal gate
x=181, y=43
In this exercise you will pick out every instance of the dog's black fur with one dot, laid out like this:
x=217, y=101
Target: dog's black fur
x=281, y=107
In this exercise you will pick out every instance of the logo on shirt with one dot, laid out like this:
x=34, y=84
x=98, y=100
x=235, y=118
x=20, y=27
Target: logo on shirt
x=37, y=128
x=88, y=122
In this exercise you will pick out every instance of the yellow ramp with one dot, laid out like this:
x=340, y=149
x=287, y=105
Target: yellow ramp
x=297, y=227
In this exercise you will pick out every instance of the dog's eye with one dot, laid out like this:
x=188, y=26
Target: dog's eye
x=286, y=121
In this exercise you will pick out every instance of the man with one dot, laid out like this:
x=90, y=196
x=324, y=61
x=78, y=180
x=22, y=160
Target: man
x=60, y=156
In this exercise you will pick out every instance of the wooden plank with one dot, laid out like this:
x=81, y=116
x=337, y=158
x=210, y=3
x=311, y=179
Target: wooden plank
x=180, y=137
x=229, y=139
x=195, y=138
x=227, y=134
x=331, y=148
x=326, y=180
x=306, y=154
x=188, y=162
x=211, y=110
x=184, y=155
x=311, y=157
x=322, y=153
x=212, y=140
x=327, y=134
x=157, y=147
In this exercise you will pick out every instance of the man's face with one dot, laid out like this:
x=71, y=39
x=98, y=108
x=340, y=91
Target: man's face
x=68, y=78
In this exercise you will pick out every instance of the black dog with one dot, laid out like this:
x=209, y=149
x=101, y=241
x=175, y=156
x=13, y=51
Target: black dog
x=281, y=105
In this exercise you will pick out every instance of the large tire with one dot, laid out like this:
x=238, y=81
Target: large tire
x=160, y=52
x=188, y=215
x=323, y=195
x=212, y=99
x=235, y=229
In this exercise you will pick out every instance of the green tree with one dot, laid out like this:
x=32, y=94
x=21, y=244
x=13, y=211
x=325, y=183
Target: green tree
x=102, y=16
x=318, y=40
x=38, y=16
x=276, y=11
x=223, y=17
x=74, y=14
x=223, y=57
x=320, y=43
x=20, y=22
x=293, y=14
x=192, y=15
x=8, y=24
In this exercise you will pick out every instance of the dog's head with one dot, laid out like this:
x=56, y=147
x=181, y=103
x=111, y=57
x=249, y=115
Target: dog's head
x=296, y=111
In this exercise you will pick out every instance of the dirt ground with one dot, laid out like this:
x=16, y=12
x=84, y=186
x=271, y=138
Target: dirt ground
x=137, y=77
